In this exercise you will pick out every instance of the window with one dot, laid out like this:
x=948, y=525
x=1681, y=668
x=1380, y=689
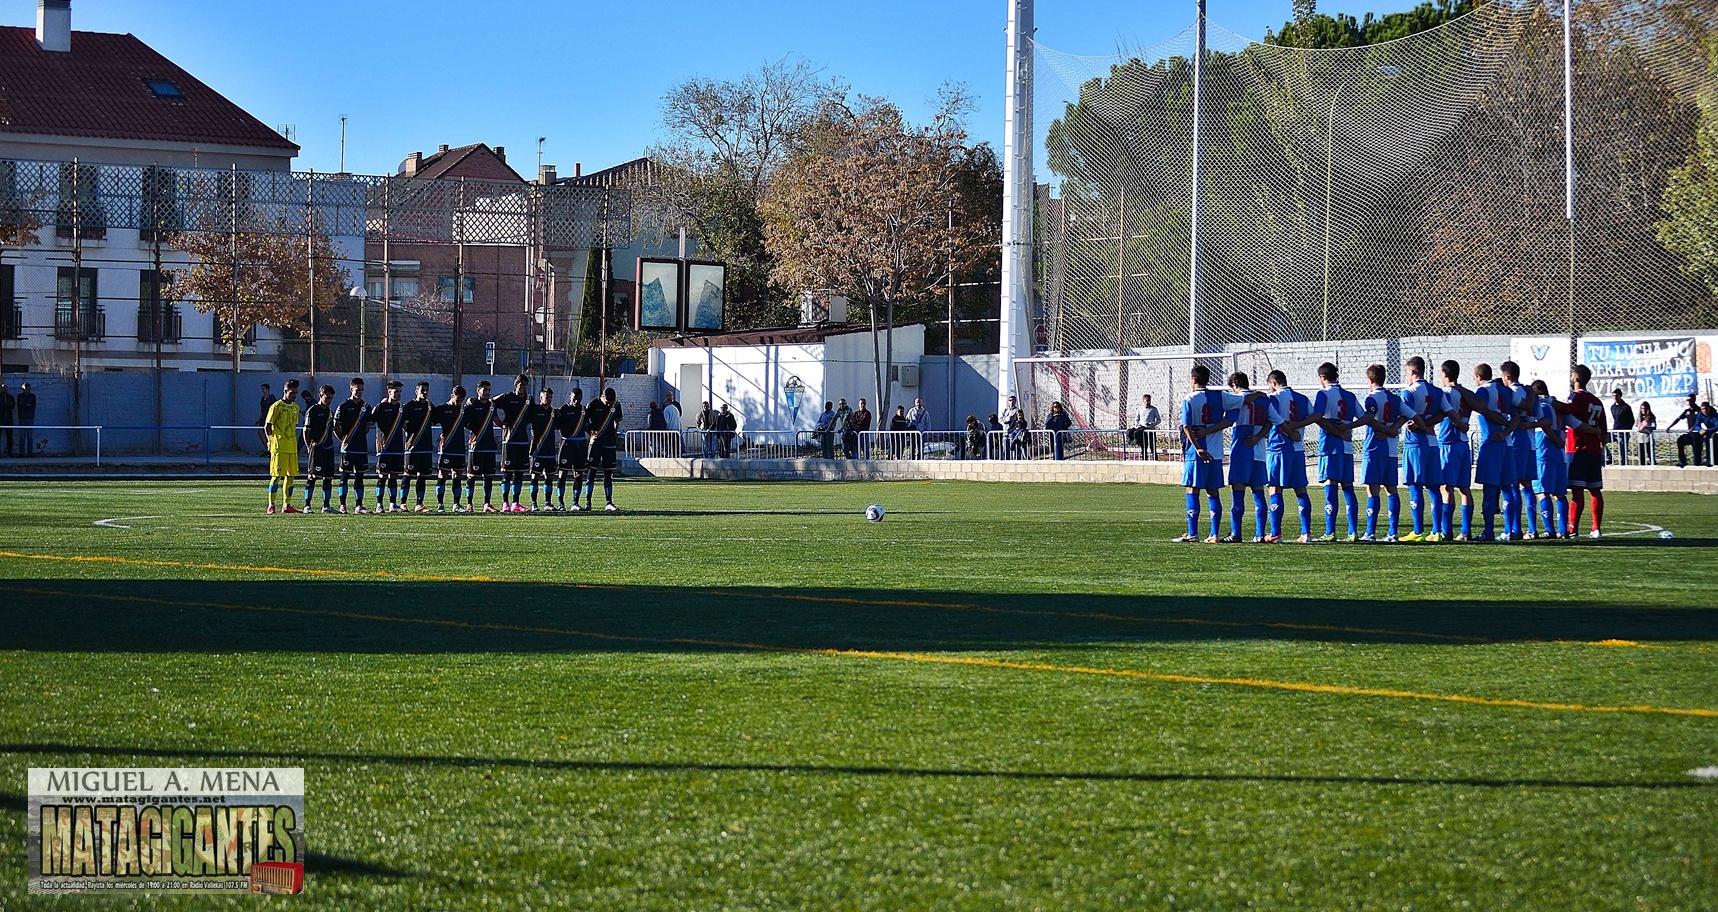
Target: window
x=76, y=313
x=404, y=289
x=157, y=317
x=80, y=203
x=444, y=289
x=164, y=88
x=158, y=209
x=219, y=330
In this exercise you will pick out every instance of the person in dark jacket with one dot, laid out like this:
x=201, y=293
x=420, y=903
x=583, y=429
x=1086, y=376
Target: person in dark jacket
x=976, y=437
x=726, y=425
x=8, y=414
x=27, y=418
x=898, y=422
x=859, y=423
x=1057, y=422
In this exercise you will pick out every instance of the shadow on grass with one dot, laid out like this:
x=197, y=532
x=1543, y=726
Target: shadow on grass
x=798, y=769
x=399, y=616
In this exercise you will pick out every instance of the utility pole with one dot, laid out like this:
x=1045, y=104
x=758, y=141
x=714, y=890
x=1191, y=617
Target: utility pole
x=77, y=299
x=157, y=301
x=1569, y=159
x=951, y=354
x=342, y=144
x=1193, y=211
x=459, y=291
x=233, y=327
x=310, y=263
x=388, y=278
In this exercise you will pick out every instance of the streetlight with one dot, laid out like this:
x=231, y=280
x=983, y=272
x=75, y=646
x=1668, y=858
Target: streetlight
x=363, y=296
x=1388, y=71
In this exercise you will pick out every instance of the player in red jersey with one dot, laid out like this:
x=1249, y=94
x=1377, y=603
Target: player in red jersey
x=1585, y=445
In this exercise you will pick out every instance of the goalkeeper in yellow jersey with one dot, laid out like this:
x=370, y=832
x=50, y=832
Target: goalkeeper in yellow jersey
x=281, y=426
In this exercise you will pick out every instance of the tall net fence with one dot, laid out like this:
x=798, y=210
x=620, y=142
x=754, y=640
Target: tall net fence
x=358, y=273
x=1412, y=187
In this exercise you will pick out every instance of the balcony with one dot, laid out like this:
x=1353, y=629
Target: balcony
x=172, y=325
x=91, y=327
x=11, y=321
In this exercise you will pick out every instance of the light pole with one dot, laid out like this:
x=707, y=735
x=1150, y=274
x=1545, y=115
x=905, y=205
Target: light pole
x=362, y=295
x=1388, y=71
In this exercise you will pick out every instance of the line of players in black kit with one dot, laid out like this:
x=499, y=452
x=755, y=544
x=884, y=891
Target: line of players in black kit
x=461, y=443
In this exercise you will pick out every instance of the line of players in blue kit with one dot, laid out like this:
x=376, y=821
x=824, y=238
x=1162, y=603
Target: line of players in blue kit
x=1537, y=457
x=459, y=444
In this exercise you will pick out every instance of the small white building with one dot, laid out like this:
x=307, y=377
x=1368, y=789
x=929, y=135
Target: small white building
x=113, y=105
x=776, y=380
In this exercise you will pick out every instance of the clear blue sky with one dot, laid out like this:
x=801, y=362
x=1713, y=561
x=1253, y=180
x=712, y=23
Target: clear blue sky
x=589, y=75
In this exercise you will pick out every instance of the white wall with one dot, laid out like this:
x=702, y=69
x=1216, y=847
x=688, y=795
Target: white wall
x=752, y=379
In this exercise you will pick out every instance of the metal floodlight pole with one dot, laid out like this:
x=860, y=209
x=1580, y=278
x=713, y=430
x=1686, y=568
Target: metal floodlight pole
x=1193, y=210
x=310, y=264
x=1016, y=198
x=387, y=277
x=1569, y=155
x=77, y=297
x=233, y=328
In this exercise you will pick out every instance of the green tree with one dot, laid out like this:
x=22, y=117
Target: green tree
x=1690, y=226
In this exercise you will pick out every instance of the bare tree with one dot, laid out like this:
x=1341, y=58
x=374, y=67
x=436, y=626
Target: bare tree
x=726, y=140
x=864, y=204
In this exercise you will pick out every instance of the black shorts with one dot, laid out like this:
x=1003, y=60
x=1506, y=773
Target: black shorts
x=516, y=457
x=605, y=458
x=322, y=462
x=575, y=454
x=1587, y=470
x=390, y=463
x=482, y=463
x=420, y=462
x=452, y=462
x=543, y=465
x=355, y=462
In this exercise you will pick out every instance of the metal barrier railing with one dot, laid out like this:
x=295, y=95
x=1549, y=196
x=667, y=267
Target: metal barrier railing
x=653, y=444
x=23, y=435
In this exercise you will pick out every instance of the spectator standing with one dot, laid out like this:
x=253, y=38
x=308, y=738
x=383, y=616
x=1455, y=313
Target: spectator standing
x=1622, y=421
x=1690, y=421
x=27, y=418
x=919, y=419
x=858, y=423
x=706, y=427
x=670, y=413
x=1056, y=423
x=824, y=430
x=1014, y=426
x=266, y=402
x=1645, y=429
x=1709, y=433
x=975, y=438
x=1145, y=423
x=655, y=420
x=726, y=425
x=8, y=408
x=843, y=415
x=898, y=424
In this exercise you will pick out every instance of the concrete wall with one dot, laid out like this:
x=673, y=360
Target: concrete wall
x=975, y=388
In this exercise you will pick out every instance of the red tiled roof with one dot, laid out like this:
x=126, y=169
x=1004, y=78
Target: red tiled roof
x=464, y=161
x=97, y=90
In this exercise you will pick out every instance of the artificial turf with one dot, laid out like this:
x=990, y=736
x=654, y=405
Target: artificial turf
x=1004, y=696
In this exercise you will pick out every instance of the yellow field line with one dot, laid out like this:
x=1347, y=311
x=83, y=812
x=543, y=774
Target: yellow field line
x=776, y=596
x=1162, y=677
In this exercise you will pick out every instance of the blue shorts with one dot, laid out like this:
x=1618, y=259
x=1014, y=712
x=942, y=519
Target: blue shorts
x=1246, y=470
x=1551, y=472
x=1494, y=465
x=1422, y=466
x=1201, y=475
x=1285, y=470
x=1378, y=470
x=1336, y=468
x=1457, y=465
x=1526, y=462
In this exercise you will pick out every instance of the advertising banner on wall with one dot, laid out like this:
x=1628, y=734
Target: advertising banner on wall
x=1543, y=358
x=1662, y=370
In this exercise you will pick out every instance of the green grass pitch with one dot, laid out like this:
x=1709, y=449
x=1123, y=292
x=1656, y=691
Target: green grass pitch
x=744, y=696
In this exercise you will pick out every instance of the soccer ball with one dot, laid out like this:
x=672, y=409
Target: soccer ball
x=1665, y=533
x=874, y=513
